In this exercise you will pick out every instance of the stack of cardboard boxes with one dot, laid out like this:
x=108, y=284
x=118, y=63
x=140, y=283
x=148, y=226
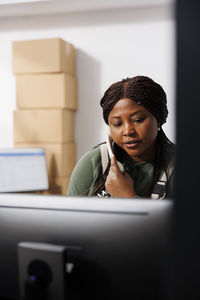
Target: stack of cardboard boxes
x=46, y=98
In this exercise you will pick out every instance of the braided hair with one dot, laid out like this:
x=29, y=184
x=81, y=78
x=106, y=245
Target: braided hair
x=141, y=89
x=146, y=92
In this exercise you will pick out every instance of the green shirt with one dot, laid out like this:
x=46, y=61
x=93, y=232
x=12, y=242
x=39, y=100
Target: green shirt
x=88, y=172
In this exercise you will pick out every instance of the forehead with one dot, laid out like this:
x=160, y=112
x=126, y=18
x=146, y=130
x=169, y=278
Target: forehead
x=126, y=105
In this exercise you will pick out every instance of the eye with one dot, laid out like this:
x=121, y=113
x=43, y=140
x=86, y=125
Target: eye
x=138, y=120
x=116, y=124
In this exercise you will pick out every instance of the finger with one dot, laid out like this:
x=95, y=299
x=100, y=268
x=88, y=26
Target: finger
x=114, y=165
x=127, y=175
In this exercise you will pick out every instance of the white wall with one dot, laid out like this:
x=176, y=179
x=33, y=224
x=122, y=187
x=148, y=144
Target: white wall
x=110, y=45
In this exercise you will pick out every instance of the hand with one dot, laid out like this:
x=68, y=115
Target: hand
x=119, y=184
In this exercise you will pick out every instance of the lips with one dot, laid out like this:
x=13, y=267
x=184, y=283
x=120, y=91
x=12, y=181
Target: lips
x=131, y=144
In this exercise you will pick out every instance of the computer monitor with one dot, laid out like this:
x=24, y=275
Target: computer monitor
x=123, y=243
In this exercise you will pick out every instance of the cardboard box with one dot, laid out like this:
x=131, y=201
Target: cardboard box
x=45, y=126
x=60, y=158
x=58, y=185
x=46, y=91
x=43, y=56
x=23, y=170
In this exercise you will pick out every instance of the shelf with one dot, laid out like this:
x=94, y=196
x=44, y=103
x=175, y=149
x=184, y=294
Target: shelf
x=10, y=8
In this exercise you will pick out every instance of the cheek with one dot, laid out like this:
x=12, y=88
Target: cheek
x=115, y=135
x=148, y=131
x=151, y=132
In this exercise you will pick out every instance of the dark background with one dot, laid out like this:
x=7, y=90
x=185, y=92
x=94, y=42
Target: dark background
x=185, y=278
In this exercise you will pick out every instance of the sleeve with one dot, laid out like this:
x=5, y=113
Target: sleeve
x=84, y=174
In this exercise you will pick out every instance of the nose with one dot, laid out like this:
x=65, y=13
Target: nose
x=128, y=129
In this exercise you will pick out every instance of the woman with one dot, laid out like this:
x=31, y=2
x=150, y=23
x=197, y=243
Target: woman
x=135, y=110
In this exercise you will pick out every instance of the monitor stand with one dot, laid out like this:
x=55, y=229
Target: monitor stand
x=45, y=270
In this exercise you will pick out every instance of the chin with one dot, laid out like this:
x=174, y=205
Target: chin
x=133, y=153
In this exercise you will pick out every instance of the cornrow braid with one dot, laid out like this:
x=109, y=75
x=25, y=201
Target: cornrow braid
x=141, y=89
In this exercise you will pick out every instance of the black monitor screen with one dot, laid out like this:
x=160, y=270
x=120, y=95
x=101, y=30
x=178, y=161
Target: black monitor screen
x=122, y=242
